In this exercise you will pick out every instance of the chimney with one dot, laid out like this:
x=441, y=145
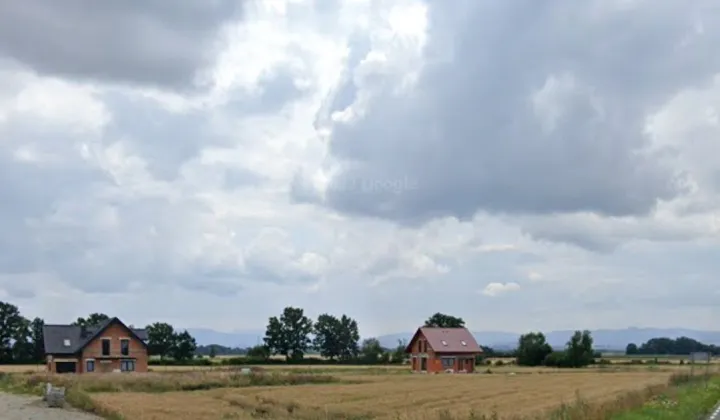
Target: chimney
x=83, y=331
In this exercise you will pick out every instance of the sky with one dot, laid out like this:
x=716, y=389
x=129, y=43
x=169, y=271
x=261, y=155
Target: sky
x=521, y=164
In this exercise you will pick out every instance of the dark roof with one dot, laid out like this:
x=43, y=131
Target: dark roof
x=447, y=340
x=55, y=336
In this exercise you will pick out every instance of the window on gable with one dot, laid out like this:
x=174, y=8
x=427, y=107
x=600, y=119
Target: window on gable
x=90, y=366
x=125, y=347
x=106, y=347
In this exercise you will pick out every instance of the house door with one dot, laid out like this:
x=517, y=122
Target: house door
x=423, y=364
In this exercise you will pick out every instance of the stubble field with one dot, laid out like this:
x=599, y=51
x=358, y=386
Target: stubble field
x=357, y=392
x=388, y=397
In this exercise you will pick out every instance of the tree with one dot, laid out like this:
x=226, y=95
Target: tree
x=398, y=354
x=213, y=353
x=371, y=351
x=439, y=320
x=259, y=352
x=579, y=349
x=92, y=320
x=184, y=346
x=288, y=335
x=38, y=340
x=161, y=338
x=677, y=346
x=327, y=336
x=348, y=338
x=336, y=338
x=631, y=348
x=22, y=347
x=532, y=349
x=12, y=327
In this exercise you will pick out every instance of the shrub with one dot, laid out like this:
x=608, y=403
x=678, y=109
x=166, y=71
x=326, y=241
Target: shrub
x=556, y=359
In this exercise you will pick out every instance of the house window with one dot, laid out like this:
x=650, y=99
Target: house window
x=127, y=366
x=448, y=362
x=125, y=347
x=106, y=347
x=90, y=366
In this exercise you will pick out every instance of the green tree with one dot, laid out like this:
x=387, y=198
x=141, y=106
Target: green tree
x=348, y=338
x=184, y=346
x=440, y=320
x=327, y=336
x=371, y=351
x=161, y=338
x=92, y=320
x=336, y=337
x=38, y=340
x=12, y=327
x=213, y=352
x=579, y=349
x=631, y=348
x=289, y=335
x=532, y=349
x=22, y=347
x=276, y=340
x=399, y=355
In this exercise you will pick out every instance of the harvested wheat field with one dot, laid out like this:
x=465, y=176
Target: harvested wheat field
x=386, y=397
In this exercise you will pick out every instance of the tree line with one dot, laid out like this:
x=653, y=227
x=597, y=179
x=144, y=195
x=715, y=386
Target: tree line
x=336, y=338
x=21, y=339
x=669, y=346
x=294, y=335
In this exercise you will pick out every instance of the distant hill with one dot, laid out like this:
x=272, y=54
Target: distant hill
x=605, y=339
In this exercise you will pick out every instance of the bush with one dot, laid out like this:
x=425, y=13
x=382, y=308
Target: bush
x=557, y=359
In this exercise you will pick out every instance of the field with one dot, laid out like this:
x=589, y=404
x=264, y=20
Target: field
x=357, y=392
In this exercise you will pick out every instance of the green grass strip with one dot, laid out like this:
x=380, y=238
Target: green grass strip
x=687, y=402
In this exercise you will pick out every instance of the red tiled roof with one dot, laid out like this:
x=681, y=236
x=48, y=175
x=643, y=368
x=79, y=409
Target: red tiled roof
x=448, y=340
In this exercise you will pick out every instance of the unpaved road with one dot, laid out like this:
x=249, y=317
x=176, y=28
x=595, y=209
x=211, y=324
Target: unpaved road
x=15, y=407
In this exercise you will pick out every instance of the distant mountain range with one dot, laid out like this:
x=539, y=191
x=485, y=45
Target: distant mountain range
x=605, y=339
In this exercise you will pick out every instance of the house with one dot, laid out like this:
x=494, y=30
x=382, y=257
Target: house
x=108, y=347
x=443, y=350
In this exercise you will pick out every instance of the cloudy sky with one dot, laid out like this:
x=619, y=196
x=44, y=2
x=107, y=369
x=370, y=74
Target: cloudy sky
x=522, y=164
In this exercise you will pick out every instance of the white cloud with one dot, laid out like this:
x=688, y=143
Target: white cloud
x=496, y=289
x=534, y=276
x=357, y=157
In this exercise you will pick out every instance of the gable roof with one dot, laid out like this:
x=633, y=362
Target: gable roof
x=447, y=340
x=55, y=336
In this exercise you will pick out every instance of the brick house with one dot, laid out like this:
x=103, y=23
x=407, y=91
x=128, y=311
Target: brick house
x=109, y=347
x=437, y=350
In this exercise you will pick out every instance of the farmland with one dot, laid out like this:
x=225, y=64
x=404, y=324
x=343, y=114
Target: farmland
x=356, y=392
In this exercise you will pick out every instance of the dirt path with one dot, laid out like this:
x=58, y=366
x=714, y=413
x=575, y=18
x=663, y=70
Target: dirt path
x=15, y=407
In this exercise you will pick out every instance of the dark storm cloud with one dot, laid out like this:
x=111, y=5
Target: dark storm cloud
x=470, y=136
x=155, y=42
